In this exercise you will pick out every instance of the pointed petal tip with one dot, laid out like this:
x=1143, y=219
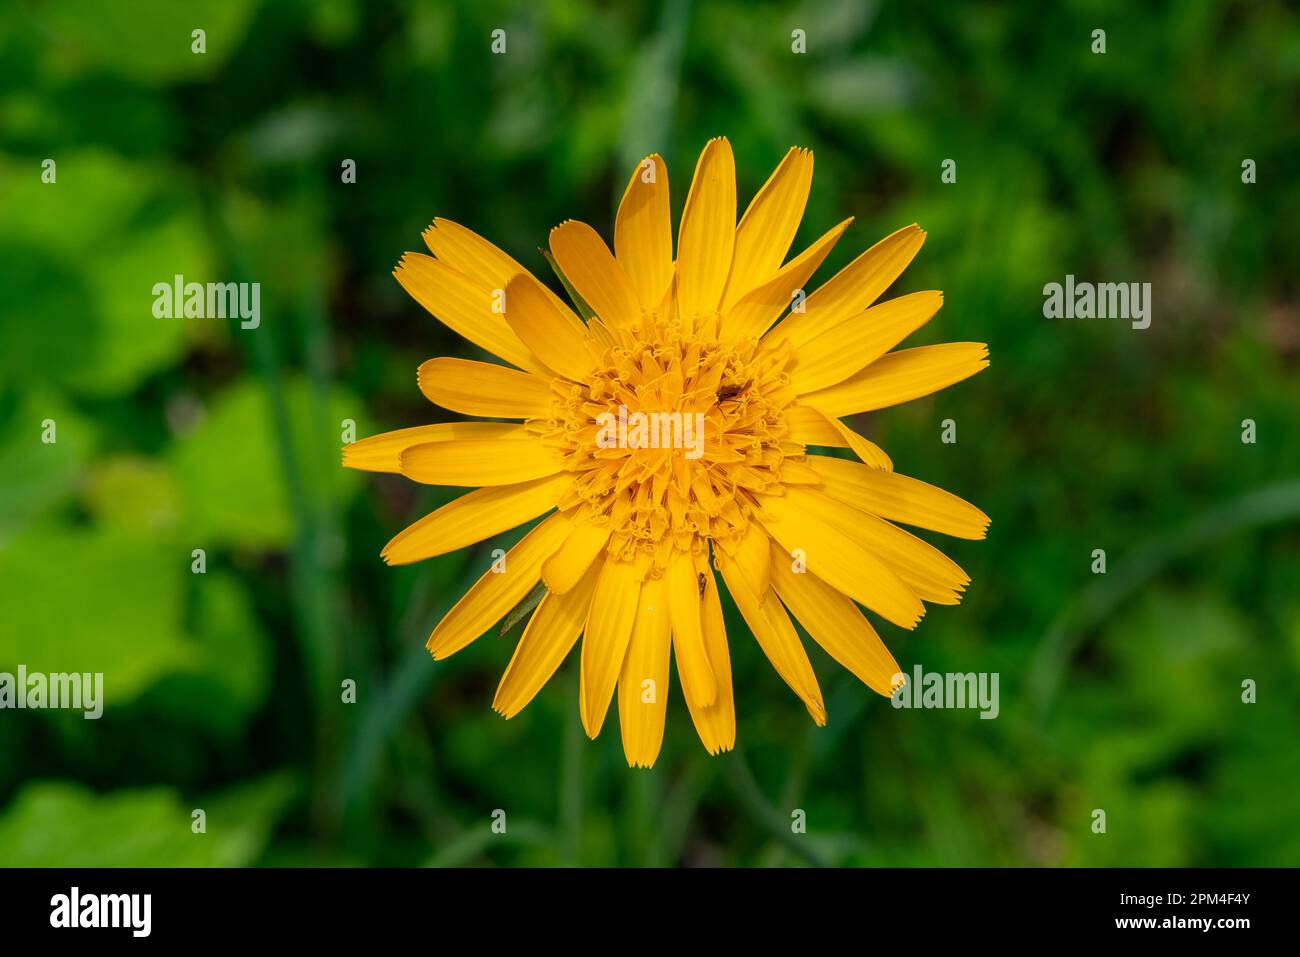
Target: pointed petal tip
x=717, y=142
x=817, y=711
x=516, y=278
x=437, y=644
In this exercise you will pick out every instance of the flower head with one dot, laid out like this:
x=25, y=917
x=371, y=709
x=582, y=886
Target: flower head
x=667, y=435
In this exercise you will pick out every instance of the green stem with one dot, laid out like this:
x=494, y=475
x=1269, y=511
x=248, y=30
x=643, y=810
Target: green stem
x=746, y=788
x=571, y=786
x=309, y=586
x=472, y=844
x=1095, y=603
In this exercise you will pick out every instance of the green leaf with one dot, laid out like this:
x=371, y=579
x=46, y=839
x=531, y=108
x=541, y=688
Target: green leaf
x=89, y=248
x=93, y=600
x=230, y=470
x=146, y=40
x=134, y=495
x=61, y=824
x=35, y=475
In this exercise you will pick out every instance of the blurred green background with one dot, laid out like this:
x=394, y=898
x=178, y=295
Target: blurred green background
x=1120, y=692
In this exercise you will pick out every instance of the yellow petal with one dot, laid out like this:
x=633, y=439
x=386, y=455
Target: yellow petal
x=836, y=624
x=776, y=636
x=477, y=258
x=799, y=520
x=809, y=427
x=683, y=593
x=466, y=307
x=591, y=268
x=868, y=451
x=473, y=517
x=796, y=471
x=475, y=462
x=902, y=376
x=716, y=723
x=643, y=232
x=769, y=225
x=759, y=308
x=899, y=498
x=751, y=555
x=814, y=427
x=609, y=629
x=547, y=640
x=570, y=562
x=500, y=589
x=929, y=573
x=854, y=287
x=481, y=388
x=860, y=340
x=382, y=453
x=643, y=680
x=553, y=333
x=471, y=254
x=708, y=233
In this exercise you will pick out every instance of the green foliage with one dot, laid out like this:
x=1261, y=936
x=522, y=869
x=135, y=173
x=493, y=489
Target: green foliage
x=93, y=600
x=57, y=824
x=1121, y=693
x=229, y=467
x=88, y=248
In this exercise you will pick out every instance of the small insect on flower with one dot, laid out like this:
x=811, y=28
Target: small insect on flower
x=666, y=437
x=730, y=391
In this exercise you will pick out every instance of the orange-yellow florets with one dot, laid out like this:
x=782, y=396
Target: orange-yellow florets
x=672, y=435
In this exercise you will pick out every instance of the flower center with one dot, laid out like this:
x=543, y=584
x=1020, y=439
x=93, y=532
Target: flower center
x=672, y=436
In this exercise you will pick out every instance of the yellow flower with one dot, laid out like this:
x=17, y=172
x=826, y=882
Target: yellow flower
x=666, y=437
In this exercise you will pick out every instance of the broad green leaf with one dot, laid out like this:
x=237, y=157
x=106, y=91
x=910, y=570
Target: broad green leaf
x=134, y=495
x=36, y=475
x=146, y=40
x=62, y=824
x=87, y=250
x=93, y=600
x=233, y=470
